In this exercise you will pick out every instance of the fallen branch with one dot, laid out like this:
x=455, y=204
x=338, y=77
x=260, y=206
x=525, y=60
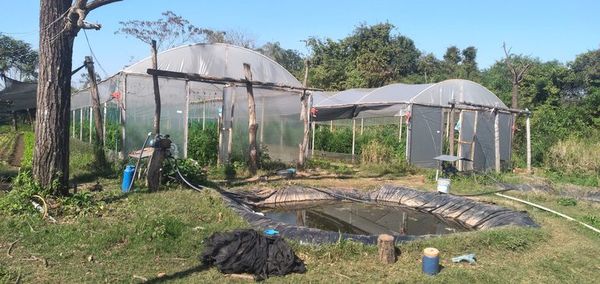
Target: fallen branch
x=11, y=247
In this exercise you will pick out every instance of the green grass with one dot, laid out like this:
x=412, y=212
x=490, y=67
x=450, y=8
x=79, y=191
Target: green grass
x=112, y=237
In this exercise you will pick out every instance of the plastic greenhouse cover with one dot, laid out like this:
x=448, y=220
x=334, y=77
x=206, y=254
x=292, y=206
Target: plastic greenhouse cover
x=219, y=61
x=388, y=100
x=21, y=94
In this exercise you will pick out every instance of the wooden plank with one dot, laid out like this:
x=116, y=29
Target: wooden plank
x=224, y=80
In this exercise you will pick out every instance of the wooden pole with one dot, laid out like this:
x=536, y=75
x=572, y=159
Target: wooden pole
x=312, y=153
x=400, y=129
x=252, y=125
x=353, y=137
x=73, y=124
x=123, y=118
x=386, y=249
x=497, y=141
x=155, y=86
x=81, y=124
x=528, y=134
x=362, y=125
x=104, y=126
x=451, y=130
x=262, y=120
x=186, y=120
x=304, y=115
x=90, y=125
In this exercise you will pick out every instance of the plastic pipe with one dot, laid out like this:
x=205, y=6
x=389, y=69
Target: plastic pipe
x=549, y=210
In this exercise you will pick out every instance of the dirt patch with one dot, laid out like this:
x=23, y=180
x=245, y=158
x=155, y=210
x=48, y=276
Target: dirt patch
x=17, y=155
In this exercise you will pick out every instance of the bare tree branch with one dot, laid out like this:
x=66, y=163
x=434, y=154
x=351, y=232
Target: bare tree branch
x=99, y=3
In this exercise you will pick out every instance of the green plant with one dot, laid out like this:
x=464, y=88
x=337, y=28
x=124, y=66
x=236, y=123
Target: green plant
x=203, y=145
x=566, y=201
x=18, y=200
x=376, y=152
x=190, y=169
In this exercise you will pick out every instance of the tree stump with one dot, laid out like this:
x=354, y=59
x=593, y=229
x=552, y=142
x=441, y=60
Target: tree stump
x=387, y=251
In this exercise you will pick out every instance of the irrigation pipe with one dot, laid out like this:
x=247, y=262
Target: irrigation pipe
x=549, y=210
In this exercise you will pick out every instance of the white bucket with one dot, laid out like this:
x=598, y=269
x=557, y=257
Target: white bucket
x=443, y=185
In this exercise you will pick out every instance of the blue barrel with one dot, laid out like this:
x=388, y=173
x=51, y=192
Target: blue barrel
x=431, y=261
x=127, y=177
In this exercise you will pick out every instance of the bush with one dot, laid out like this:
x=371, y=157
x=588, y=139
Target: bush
x=376, y=152
x=203, y=145
x=18, y=200
x=575, y=156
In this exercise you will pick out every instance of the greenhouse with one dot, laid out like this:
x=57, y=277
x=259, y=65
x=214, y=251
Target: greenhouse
x=429, y=114
x=190, y=108
x=423, y=121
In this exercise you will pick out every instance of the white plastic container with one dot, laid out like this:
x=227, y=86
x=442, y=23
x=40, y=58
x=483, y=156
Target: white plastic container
x=443, y=185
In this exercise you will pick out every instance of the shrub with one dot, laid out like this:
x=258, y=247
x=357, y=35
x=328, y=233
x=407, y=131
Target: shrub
x=376, y=152
x=203, y=145
x=575, y=156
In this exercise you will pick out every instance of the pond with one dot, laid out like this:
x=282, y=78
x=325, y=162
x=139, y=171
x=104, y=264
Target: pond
x=363, y=219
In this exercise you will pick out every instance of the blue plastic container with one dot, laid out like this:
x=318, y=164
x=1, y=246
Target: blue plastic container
x=127, y=177
x=431, y=261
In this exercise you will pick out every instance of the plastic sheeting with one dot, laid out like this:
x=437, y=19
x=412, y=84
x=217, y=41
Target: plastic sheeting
x=21, y=95
x=278, y=112
x=392, y=100
x=425, y=136
x=218, y=60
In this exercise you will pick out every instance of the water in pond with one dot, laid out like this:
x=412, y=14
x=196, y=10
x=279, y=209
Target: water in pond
x=364, y=219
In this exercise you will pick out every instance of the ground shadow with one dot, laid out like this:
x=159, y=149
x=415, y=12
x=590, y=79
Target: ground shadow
x=178, y=275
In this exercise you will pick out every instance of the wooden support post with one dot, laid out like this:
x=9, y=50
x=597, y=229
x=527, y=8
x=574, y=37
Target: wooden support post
x=451, y=130
x=362, y=125
x=104, y=126
x=81, y=124
x=386, y=248
x=155, y=86
x=460, y=142
x=186, y=120
x=304, y=116
x=123, y=119
x=528, y=134
x=73, y=123
x=497, y=141
x=400, y=129
x=331, y=125
x=14, y=121
x=91, y=114
x=353, y=138
x=312, y=145
x=262, y=120
x=252, y=125
x=203, y=115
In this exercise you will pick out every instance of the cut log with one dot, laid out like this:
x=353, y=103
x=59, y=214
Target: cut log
x=387, y=251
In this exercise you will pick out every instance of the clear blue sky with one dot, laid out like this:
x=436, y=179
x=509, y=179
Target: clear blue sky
x=545, y=29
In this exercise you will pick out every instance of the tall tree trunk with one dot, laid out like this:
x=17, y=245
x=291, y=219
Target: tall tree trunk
x=515, y=95
x=252, y=125
x=305, y=117
x=156, y=90
x=100, y=159
x=51, y=153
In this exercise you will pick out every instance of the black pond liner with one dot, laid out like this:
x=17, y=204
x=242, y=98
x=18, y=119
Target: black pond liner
x=471, y=214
